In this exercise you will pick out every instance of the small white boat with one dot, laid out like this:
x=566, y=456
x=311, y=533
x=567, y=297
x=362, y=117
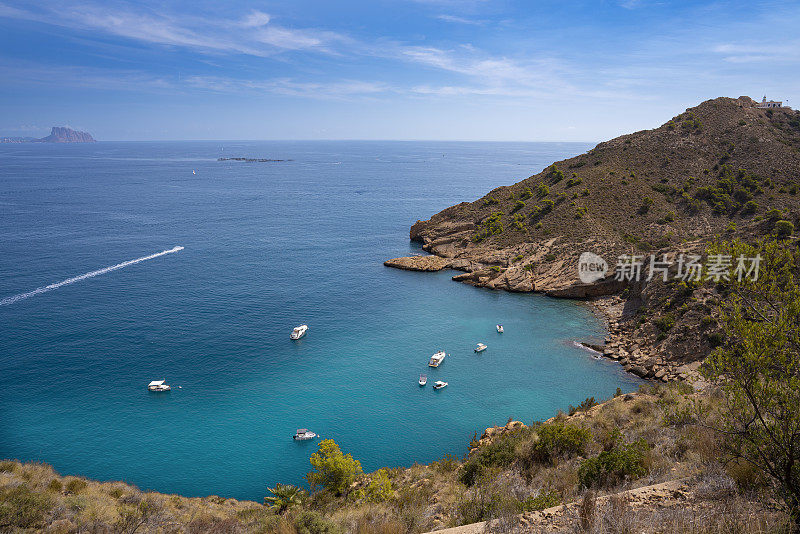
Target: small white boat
x=499, y=329
x=423, y=379
x=480, y=348
x=439, y=385
x=299, y=331
x=158, y=385
x=437, y=359
x=304, y=434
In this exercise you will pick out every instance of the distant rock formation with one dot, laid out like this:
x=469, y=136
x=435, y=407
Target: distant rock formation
x=59, y=134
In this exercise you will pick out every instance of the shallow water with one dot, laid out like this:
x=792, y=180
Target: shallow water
x=268, y=246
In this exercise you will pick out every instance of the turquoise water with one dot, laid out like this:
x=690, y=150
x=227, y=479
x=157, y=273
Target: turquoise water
x=268, y=246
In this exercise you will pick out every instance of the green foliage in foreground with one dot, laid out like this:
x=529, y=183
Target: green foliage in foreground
x=623, y=461
x=21, y=507
x=558, y=440
x=284, y=497
x=334, y=470
x=758, y=366
x=501, y=453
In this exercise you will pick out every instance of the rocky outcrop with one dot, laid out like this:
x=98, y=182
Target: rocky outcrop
x=62, y=134
x=418, y=263
x=493, y=433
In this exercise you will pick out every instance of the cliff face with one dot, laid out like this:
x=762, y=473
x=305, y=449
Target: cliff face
x=721, y=162
x=62, y=134
x=58, y=134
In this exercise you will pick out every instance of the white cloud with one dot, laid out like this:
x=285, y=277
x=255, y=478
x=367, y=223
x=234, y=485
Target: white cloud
x=256, y=19
x=460, y=20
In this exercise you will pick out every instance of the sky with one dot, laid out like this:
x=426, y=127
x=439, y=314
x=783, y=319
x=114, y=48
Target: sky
x=535, y=70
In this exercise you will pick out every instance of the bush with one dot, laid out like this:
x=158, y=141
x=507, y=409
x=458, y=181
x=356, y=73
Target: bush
x=557, y=440
x=623, y=461
x=554, y=174
x=575, y=180
x=501, y=453
x=379, y=488
x=526, y=194
x=310, y=522
x=518, y=205
x=774, y=214
x=545, y=499
x=749, y=207
x=55, y=486
x=23, y=508
x=542, y=190
x=334, y=470
x=784, y=229
x=490, y=201
x=665, y=322
x=647, y=203
x=76, y=485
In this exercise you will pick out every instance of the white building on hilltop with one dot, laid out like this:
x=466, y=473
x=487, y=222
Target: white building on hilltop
x=769, y=104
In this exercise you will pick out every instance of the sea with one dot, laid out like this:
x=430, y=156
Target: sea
x=91, y=311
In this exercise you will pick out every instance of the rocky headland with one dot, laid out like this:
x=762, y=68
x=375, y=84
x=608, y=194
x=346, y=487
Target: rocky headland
x=724, y=169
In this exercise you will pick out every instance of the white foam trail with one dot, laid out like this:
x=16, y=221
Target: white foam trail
x=11, y=300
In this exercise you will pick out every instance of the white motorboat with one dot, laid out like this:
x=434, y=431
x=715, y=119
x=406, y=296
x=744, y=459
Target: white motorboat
x=437, y=359
x=304, y=434
x=499, y=329
x=158, y=385
x=439, y=385
x=480, y=348
x=423, y=379
x=299, y=331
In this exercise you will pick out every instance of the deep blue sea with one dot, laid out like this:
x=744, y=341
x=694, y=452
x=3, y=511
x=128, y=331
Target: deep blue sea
x=268, y=246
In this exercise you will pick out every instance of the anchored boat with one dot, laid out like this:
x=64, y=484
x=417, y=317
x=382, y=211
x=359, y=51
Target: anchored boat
x=439, y=385
x=304, y=434
x=499, y=329
x=299, y=331
x=423, y=379
x=437, y=359
x=480, y=348
x=158, y=385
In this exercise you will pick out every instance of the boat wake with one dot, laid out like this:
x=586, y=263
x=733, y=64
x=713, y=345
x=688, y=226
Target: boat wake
x=16, y=298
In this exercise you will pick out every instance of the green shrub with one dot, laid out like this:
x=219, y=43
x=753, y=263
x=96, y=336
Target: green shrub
x=518, y=205
x=609, y=468
x=670, y=216
x=784, y=229
x=76, y=485
x=334, y=470
x=554, y=174
x=774, y=214
x=545, y=499
x=501, y=453
x=23, y=508
x=647, y=203
x=550, y=257
x=576, y=180
x=7, y=466
x=547, y=205
x=310, y=522
x=665, y=322
x=490, y=201
x=496, y=269
x=379, y=488
x=55, y=486
x=542, y=190
x=557, y=440
x=517, y=258
x=526, y=194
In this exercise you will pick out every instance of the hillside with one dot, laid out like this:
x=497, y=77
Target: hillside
x=686, y=180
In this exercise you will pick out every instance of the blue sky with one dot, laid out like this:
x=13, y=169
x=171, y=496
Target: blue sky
x=415, y=69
